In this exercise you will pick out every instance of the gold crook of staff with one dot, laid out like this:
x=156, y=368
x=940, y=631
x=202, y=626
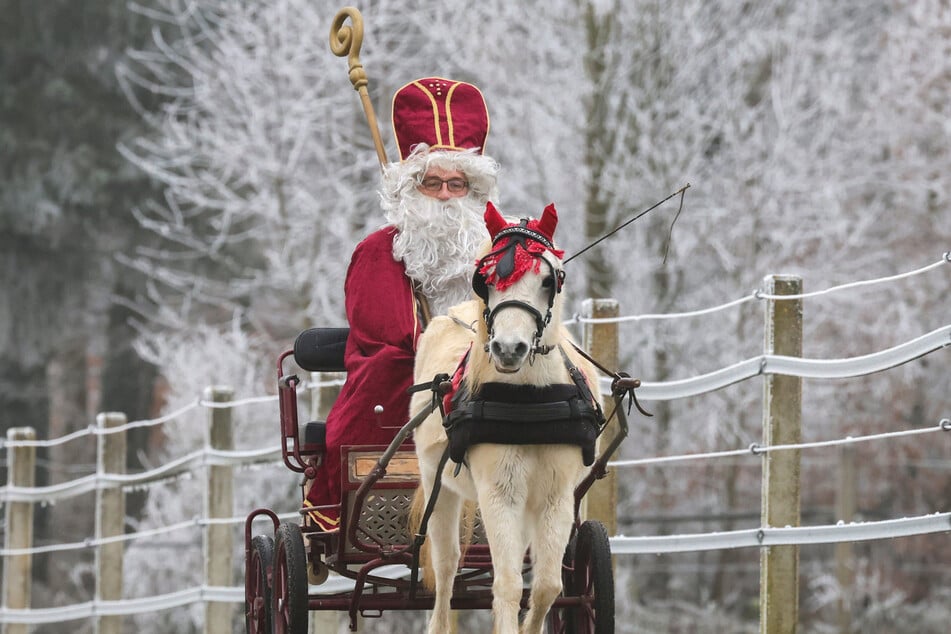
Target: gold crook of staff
x=346, y=41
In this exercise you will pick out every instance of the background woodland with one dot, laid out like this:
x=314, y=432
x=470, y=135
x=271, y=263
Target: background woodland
x=183, y=183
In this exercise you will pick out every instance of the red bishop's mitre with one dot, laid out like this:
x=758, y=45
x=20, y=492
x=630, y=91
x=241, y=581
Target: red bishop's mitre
x=443, y=113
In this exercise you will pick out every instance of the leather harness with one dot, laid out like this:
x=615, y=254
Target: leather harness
x=504, y=413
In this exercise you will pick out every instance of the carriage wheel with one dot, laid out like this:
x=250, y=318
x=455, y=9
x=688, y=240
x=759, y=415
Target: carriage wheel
x=289, y=611
x=257, y=602
x=590, y=576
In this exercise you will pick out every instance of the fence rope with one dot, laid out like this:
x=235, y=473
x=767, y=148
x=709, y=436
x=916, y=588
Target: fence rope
x=793, y=366
x=93, y=430
x=96, y=608
x=756, y=449
x=17, y=494
x=91, y=542
x=648, y=391
x=651, y=391
x=787, y=536
x=180, y=466
x=759, y=294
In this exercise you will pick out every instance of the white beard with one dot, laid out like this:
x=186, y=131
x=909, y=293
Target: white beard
x=438, y=242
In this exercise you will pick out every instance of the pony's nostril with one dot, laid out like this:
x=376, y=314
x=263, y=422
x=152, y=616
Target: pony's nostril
x=508, y=352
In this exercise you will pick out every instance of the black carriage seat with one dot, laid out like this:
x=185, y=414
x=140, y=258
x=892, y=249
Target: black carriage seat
x=319, y=350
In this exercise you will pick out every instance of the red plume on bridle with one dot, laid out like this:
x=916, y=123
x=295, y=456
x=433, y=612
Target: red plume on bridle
x=506, y=263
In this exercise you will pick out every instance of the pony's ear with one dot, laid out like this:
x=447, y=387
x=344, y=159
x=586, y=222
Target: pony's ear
x=494, y=221
x=548, y=222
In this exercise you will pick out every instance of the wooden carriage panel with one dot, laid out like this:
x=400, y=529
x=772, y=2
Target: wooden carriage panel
x=382, y=519
x=403, y=466
x=384, y=515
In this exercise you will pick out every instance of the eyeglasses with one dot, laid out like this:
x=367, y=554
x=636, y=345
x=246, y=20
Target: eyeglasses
x=434, y=184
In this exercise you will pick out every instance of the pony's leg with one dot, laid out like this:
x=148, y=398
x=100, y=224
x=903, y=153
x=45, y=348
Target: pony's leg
x=553, y=508
x=502, y=492
x=508, y=547
x=443, y=538
x=547, y=546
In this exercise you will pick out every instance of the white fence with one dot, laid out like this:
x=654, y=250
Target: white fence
x=20, y=498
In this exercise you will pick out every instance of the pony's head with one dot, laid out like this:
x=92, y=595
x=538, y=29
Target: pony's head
x=519, y=281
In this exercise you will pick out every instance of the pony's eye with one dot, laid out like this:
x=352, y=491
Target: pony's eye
x=549, y=281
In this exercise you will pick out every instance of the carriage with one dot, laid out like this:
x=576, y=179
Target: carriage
x=371, y=564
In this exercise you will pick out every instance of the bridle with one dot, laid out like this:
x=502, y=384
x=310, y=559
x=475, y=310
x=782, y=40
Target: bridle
x=518, y=235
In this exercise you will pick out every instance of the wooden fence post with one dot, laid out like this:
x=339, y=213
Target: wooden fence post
x=782, y=424
x=219, y=504
x=110, y=518
x=601, y=342
x=18, y=569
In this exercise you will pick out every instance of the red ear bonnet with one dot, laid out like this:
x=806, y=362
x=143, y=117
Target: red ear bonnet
x=494, y=221
x=548, y=222
x=516, y=247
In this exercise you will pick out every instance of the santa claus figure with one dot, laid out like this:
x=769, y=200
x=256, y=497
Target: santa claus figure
x=416, y=266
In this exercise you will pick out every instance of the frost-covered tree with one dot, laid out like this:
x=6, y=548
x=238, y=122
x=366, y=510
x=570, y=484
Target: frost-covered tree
x=809, y=132
x=792, y=123
x=261, y=171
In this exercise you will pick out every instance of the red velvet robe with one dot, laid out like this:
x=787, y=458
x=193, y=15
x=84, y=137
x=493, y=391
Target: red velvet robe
x=384, y=326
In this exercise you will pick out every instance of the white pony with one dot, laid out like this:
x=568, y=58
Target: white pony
x=519, y=363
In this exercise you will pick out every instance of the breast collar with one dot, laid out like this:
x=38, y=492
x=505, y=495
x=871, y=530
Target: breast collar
x=518, y=394
x=510, y=414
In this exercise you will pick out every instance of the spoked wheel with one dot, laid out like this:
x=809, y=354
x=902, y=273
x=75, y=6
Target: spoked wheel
x=289, y=611
x=257, y=594
x=591, y=577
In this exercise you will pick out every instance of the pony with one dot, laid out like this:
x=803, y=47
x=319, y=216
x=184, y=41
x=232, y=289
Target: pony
x=508, y=351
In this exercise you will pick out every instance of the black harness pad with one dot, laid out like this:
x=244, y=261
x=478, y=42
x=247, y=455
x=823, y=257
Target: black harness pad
x=523, y=415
